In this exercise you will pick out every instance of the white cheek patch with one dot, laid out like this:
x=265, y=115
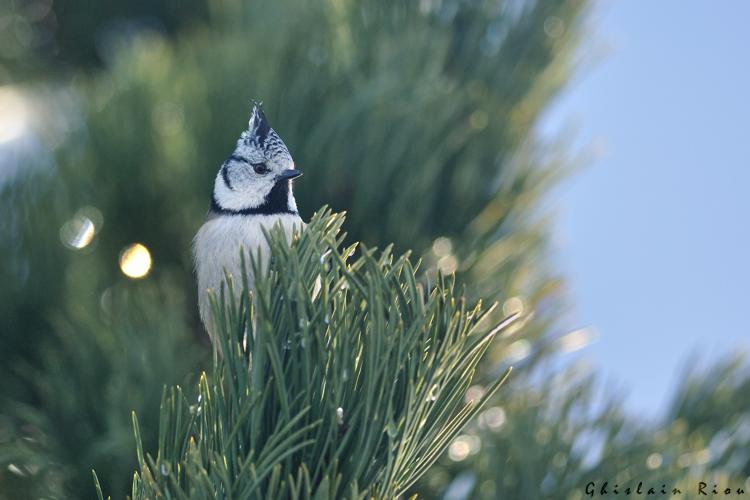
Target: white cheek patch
x=291, y=202
x=246, y=193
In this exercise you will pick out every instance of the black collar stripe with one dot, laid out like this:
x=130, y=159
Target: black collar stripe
x=277, y=202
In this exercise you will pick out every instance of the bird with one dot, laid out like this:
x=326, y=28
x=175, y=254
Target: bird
x=252, y=191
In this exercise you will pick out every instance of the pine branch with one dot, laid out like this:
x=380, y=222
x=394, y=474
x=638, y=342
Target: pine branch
x=341, y=377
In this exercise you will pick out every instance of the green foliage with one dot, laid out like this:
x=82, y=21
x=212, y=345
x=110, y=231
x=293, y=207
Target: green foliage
x=41, y=37
x=558, y=436
x=349, y=86
x=103, y=363
x=416, y=118
x=344, y=377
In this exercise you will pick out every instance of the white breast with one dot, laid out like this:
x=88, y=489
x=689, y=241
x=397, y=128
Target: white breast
x=217, y=247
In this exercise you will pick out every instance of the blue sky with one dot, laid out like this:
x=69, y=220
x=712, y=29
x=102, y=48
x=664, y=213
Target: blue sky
x=653, y=236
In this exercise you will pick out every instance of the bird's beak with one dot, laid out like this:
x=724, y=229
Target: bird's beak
x=289, y=174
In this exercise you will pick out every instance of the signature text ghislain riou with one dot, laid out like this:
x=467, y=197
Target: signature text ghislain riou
x=701, y=488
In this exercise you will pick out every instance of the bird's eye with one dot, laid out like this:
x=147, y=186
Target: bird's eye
x=260, y=168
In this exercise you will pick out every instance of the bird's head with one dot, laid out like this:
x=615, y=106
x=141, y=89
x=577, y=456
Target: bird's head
x=256, y=177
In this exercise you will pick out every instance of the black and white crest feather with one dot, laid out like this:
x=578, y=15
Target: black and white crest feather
x=254, y=179
x=258, y=128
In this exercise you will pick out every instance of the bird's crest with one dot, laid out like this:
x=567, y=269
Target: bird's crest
x=257, y=127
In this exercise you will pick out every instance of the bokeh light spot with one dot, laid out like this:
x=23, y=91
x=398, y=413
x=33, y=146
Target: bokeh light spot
x=518, y=350
x=513, y=305
x=442, y=246
x=135, y=261
x=459, y=449
x=13, y=114
x=78, y=232
x=493, y=418
x=448, y=264
x=474, y=393
x=654, y=461
x=576, y=340
x=554, y=27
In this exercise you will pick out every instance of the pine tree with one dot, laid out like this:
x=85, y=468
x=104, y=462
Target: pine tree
x=344, y=377
x=418, y=119
x=102, y=364
x=548, y=440
x=348, y=85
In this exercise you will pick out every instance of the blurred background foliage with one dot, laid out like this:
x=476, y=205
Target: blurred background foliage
x=417, y=118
